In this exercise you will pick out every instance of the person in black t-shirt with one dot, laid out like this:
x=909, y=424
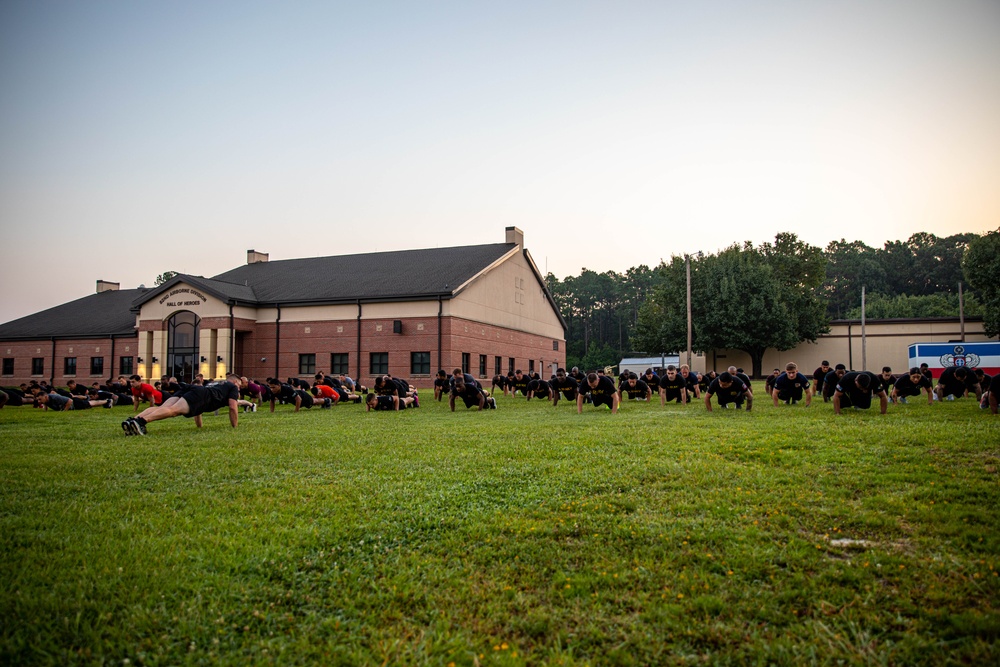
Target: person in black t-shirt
x=691, y=378
x=652, y=380
x=887, y=380
x=286, y=393
x=565, y=385
x=855, y=390
x=499, y=382
x=442, y=385
x=831, y=380
x=729, y=390
x=790, y=386
x=539, y=389
x=471, y=395
x=191, y=402
x=387, y=402
x=636, y=389
x=519, y=383
x=955, y=381
x=601, y=390
x=819, y=379
x=673, y=387
x=769, y=381
x=910, y=385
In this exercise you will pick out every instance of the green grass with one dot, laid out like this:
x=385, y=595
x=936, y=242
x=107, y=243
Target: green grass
x=525, y=535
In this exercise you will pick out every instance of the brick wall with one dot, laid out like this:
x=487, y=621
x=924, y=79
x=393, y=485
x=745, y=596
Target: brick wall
x=24, y=351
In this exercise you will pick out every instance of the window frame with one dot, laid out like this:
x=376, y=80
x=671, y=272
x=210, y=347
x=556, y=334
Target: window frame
x=380, y=358
x=307, y=363
x=97, y=366
x=69, y=366
x=8, y=366
x=421, y=366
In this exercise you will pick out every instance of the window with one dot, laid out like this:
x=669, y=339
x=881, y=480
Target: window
x=8, y=365
x=482, y=365
x=69, y=366
x=497, y=365
x=307, y=364
x=339, y=363
x=97, y=366
x=531, y=365
x=379, y=363
x=420, y=363
x=37, y=366
x=555, y=345
x=510, y=365
x=465, y=362
x=125, y=366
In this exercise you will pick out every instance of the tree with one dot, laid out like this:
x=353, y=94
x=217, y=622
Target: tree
x=942, y=304
x=981, y=265
x=165, y=277
x=743, y=298
x=849, y=266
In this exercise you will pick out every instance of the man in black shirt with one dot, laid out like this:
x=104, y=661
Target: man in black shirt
x=191, y=402
x=286, y=393
x=831, y=380
x=636, y=389
x=769, y=381
x=955, y=381
x=601, y=390
x=673, y=387
x=819, y=380
x=565, y=385
x=520, y=383
x=499, y=382
x=691, y=378
x=910, y=385
x=855, y=390
x=652, y=380
x=790, y=386
x=442, y=385
x=887, y=380
x=728, y=389
x=539, y=389
x=471, y=395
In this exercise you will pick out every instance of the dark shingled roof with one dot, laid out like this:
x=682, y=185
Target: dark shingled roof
x=405, y=274
x=95, y=316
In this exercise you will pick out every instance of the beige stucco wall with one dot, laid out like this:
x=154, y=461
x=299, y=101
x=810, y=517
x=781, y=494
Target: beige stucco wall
x=509, y=295
x=887, y=344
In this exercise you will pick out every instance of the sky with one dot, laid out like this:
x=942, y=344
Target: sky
x=141, y=137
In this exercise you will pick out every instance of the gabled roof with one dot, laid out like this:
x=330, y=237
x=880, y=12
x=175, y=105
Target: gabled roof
x=96, y=316
x=222, y=290
x=388, y=276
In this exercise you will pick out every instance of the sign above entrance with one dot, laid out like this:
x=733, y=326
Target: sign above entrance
x=182, y=296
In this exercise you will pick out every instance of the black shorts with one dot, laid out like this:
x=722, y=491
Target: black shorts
x=196, y=398
x=859, y=401
x=727, y=399
x=569, y=394
x=957, y=389
x=80, y=403
x=602, y=399
x=307, y=399
x=471, y=400
x=790, y=394
x=912, y=390
x=672, y=394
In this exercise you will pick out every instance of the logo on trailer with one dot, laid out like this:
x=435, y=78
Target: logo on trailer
x=959, y=358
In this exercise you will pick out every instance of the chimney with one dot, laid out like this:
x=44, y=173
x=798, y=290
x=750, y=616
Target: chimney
x=254, y=257
x=515, y=235
x=105, y=286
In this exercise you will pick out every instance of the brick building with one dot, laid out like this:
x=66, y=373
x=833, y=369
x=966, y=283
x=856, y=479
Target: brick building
x=483, y=308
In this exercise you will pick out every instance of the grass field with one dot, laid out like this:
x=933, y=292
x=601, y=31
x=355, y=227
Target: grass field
x=525, y=535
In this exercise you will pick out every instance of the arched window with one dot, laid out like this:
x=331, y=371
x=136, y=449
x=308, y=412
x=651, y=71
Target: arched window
x=182, y=345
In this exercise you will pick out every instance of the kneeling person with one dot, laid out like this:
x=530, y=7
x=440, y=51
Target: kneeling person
x=191, y=401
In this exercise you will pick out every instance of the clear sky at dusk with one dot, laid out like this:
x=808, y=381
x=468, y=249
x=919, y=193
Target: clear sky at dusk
x=139, y=137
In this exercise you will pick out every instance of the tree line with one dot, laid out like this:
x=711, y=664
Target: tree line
x=774, y=295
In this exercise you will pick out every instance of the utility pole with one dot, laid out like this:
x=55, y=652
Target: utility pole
x=864, y=341
x=687, y=267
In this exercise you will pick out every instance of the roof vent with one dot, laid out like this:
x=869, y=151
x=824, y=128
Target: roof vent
x=254, y=257
x=515, y=235
x=106, y=286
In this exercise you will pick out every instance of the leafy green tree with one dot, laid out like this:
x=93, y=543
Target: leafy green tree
x=849, y=266
x=165, y=277
x=942, y=304
x=743, y=298
x=981, y=264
